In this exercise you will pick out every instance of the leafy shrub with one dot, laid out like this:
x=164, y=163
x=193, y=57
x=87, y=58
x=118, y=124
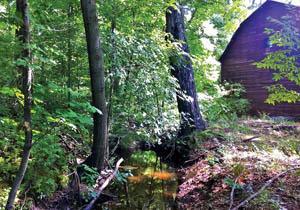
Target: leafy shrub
x=11, y=140
x=227, y=104
x=47, y=167
x=3, y=194
x=89, y=175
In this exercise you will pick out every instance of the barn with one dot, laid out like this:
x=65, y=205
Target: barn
x=250, y=44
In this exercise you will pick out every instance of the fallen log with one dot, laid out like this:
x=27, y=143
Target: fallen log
x=103, y=186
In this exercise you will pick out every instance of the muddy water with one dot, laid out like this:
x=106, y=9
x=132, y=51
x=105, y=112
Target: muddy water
x=150, y=185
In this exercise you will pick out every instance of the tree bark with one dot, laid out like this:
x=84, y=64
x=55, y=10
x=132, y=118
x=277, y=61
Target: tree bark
x=69, y=55
x=182, y=70
x=100, y=144
x=23, y=35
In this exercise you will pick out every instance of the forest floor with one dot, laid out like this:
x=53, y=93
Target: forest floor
x=243, y=155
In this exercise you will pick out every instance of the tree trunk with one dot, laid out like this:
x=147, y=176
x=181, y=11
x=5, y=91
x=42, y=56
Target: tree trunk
x=100, y=145
x=112, y=73
x=182, y=70
x=69, y=56
x=24, y=36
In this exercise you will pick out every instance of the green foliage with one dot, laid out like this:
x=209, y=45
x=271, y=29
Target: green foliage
x=231, y=183
x=48, y=166
x=3, y=194
x=146, y=158
x=140, y=93
x=10, y=147
x=282, y=59
x=209, y=30
x=264, y=200
x=238, y=169
x=88, y=195
x=212, y=160
x=89, y=175
x=228, y=104
x=278, y=93
x=122, y=176
x=141, y=99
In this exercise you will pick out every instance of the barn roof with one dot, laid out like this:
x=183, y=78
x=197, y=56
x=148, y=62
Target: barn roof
x=266, y=4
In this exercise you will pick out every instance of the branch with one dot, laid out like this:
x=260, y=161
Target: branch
x=250, y=139
x=192, y=16
x=115, y=147
x=267, y=184
x=232, y=192
x=104, y=185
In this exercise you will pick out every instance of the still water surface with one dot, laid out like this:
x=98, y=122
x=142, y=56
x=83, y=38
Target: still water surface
x=151, y=185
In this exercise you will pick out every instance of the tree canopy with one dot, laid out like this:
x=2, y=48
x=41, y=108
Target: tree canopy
x=83, y=83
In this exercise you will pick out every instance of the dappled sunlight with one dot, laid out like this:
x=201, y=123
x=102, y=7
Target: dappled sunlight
x=149, y=104
x=249, y=151
x=267, y=142
x=260, y=158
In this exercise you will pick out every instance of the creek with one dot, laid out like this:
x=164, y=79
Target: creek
x=148, y=183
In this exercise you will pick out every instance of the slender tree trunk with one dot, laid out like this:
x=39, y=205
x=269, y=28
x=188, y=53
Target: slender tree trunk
x=113, y=80
x=182, y=70
x=100, y=144
x=69, y=65
x=24, y=36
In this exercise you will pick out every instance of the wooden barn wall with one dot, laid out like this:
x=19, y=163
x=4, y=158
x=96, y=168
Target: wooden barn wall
x=249, y=45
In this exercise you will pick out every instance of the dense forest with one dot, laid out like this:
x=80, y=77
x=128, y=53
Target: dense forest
x=120, y=104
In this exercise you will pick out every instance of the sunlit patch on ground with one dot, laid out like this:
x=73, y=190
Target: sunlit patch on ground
x=248, y=152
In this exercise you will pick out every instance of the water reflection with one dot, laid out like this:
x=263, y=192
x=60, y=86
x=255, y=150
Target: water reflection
x=163, y=175
x=152, y=186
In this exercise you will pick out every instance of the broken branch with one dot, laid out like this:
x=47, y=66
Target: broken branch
x=232, y=192
x=104, y=185
x=267, y=184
